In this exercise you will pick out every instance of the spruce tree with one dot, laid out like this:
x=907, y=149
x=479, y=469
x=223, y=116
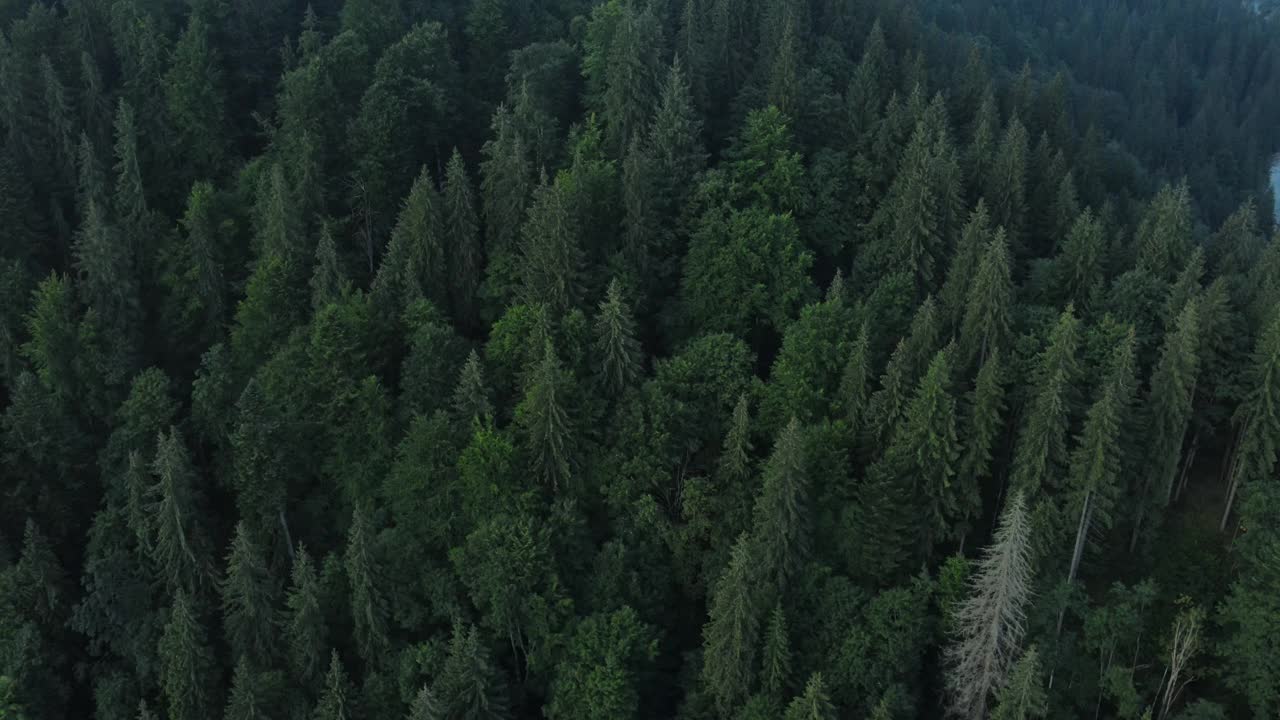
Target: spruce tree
x=469, y=685
x=1164, y=236
x=775, y=672
x=975, y=239
x=462, y=240
x=1023, y=697
x=984, y=422
x=414, y=265
x=782, y=520
x=195, y=98
x=1006, y=186
x=328, y=284
x=616, y=345
x=187, y=665
x=506, y=181
x=471, y=396
x=729, y=637
x=814, y=704
x=203, y=277
x=248, y=600
x=1041, y=449
x=425, y=706
x=988, y=625
x=305, y=632
x=1079, y=265
x=129, y=201
x=1258, y=417
x=180, y=551
x=368, y=599
x=735, y=456
x=550, y=255
x=928, y=438
x=986, y=314
x=337, y=700
x=544, y=422
x=1168, y=408
x=852, y=393
x=255, y=695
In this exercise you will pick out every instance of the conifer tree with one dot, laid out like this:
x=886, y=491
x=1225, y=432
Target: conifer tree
x=986, y=314
x=368, y=599
x=179, y=550
x=1023, y=697
x=471, y=396
x=462, y=239
x=906, y=364
x=414, y=265
x=187, y=664
x=1041, y=448
x=254, y=695
x=1164, y=236
x=248, y=600
x=328, y=284
x=109, y=284
x=203, y=277
x=1098, y=456
x=929, y=435
x=988, y=625
x=1079, y=264
x=814, y=704
x=675, y=142
x=425, y=706
x=469, y=686
x=1258, y=417
x=781, y=513
x=91, y=178
x=735, y=456
x=59, y=123
x=549, y=250
x=775, y=672
x=783, y=88
x=729, y=637
x=305, y=633
x=257, y=459
x=194, y=95
x=1006, y=187
x=129, y=202
x=1168, y=407
x=616, y=345
x=337, y=701
x=544, y=421
x=506, y=181
x=974, y=242
x=852, y=393
x=984, y=422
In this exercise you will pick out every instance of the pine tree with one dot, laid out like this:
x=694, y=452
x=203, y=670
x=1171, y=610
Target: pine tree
x=203, y=278
x=984, y=423
x=1164, y=236
x=735, y=456
x=616, y=345
x=462, y=239
x=59, y=120
x=106, y=267
x=1041, y=449
x=414, y=265
x=368, y=602
x=337, y=701
x=506, y=180
x=1096, y=462
x=544, y=421
x=248, y=600
x=675, y=142
x=426, y=706
x=328, y=284
x=195, y=98
x=129, y=201
x=989, y=624
x=305, y=633
x=187, y=665
x=906, y=364
x=729, y=637
x=986, y=314
x=469, y=686
x=1258, y=417
x=179, y=550
x=623, y=66
x=1079, y=265
x=91, y=178
x=254, y=695
x=783, y=89
x=814, y=704
x=928, y=436
x=781, y=513
x=1006, y=187
x=775, y=672
x=969, y=254
x=549, y=250
x=471, y=396
x=852, y=393
x=1023, y=697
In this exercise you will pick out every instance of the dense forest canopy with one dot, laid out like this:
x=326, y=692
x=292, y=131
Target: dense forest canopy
x=696, y=359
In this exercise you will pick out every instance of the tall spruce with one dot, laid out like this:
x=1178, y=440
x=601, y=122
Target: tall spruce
x=987, y=309
x=368, y=599
x=303, y=623
x=187, y=665
x=462, y=240
x=616, y=345
x=1041, y=449
x=544, y=421
x=729, y=637
x=782, y=522
x=248, y=600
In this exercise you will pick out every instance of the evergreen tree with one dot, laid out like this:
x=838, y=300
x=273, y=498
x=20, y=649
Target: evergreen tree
x=986, y=314
x=194, y=95
x=469, y=686
x=506, y=181
x=618, y=349
x=544, y=421
x=1041, y=448
x=328, y=284
x=425, y=706
x=1169, y=405
x=975, y=242
x=1258, y=417
x=337, y=701
x=782, y=519
x=852, y=393
x=414, y=265
x=254, y=695
x=108, y=281
x=1079, y=265
x=1006, y=186
x=202, y=280
x=187, y=665
x=549, y=251
x=1164, y=236
x=368, y=599
x=462, y=239
x=776, y=657
x=929, y=434
x=988, y=625
x=129, y=202
x=180, y=550
x=735, y=455
x=984, y=423
x=471, y=396
x=303, y=622
x=248, y=600
x=1023, y=697
x=729, y=637
x=814, y=704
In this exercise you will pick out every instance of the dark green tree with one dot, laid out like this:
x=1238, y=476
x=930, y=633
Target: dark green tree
x=181, y=548
x=303, y=623
x=328, y=283
x=544, y=421
x=368, y=596
x=337, y=700
x=814, y=704
x=782, y=522
x=255, y=695
x=249, y=596
x=471, y=396
x=462, y=240
x=775, y=658
x=729, y=637
x=187, y=664
x=194, y=97
x=1041, y=451
x=986, y=316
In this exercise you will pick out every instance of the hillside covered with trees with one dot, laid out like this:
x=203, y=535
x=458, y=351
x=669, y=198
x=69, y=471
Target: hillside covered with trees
x=639, y=359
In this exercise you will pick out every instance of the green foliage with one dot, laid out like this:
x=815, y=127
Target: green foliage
x=607, y=658
x=186, y=663
x=729, y=637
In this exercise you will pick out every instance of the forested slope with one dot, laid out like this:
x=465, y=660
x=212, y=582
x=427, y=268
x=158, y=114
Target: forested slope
x=689, y=359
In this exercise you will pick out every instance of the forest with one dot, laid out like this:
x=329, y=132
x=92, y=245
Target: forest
x=639, y=359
